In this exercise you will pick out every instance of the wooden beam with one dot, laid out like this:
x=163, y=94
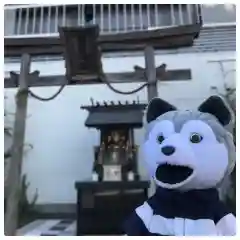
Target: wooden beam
x=161, y=72
x=138, y=36
x=167, y=38
x=40, y=47
x=144, y=36
x=125, y=77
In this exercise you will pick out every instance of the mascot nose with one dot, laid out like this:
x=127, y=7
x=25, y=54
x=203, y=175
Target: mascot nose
x=168, y=150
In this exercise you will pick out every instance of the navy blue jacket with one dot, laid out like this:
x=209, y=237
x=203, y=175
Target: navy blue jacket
x=174, y=213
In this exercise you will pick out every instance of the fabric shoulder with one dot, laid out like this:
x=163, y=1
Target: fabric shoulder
x=220, y=210
x=226, y=226
x=225, y=221
x=136, y=224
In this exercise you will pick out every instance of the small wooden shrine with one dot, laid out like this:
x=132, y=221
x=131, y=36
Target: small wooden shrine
x=116, y=186
x=116, y=155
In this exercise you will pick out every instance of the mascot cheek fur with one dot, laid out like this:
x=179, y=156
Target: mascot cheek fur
x=188, y=154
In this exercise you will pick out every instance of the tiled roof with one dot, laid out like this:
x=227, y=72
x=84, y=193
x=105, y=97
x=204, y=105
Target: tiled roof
x=211, y=39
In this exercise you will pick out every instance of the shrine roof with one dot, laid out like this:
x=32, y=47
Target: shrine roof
x=127, y=114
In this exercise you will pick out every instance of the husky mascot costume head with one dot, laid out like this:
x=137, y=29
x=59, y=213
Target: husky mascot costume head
x=188, y=154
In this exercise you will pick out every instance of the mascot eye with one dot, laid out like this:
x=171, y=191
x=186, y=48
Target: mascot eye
x=196, y=138
x=160, y=138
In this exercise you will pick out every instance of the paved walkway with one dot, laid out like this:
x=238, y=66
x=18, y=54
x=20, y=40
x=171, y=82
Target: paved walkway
x=49, y=228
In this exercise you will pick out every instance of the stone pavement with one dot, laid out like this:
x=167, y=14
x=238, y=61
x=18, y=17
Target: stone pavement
x=56, y=227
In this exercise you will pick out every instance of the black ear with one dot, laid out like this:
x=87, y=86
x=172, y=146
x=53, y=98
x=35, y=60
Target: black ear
x=157, y=107
x=216, y=106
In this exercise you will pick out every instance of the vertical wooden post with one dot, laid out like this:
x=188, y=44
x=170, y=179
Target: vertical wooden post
x=11, y=216
x=150, y=70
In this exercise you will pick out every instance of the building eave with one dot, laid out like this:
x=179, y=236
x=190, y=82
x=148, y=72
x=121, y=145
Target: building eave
x=167, y=38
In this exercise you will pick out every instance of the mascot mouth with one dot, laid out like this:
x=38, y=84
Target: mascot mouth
x=172, y=174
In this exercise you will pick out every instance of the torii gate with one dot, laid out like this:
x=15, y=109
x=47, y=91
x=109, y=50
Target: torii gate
x=84, y=60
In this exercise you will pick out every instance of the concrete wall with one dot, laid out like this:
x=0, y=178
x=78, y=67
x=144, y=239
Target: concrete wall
x=63, y=146
x=9, y=22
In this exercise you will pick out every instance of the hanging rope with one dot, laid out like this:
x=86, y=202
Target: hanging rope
x=103, y=78
x=121, y=92
x=49, y=98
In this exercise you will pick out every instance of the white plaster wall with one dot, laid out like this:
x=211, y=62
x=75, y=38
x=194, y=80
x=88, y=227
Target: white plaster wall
x=63, y=146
